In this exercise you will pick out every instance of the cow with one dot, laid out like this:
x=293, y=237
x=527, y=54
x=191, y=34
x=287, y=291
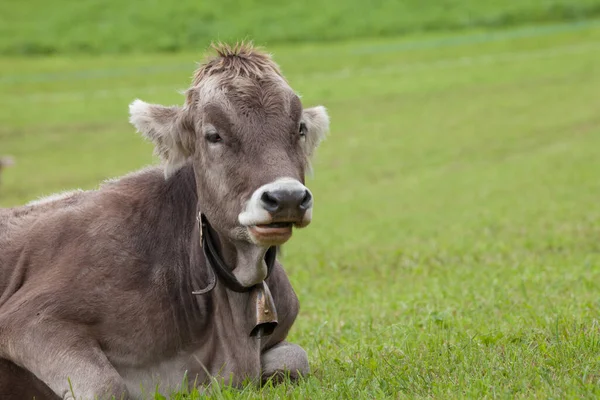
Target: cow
x=170, y=271
x=5, y=162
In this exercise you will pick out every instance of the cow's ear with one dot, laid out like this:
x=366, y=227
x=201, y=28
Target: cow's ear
x=171, y=129
x=317, y=126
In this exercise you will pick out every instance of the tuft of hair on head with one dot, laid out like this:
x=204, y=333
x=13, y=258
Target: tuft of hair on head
x=239, y=49
x=240, y=59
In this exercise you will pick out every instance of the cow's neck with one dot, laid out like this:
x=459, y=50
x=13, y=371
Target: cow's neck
x=252, y=297
x=245, y=261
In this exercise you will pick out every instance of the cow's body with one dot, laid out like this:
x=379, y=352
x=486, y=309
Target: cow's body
x=97, y=288
x=134, y=297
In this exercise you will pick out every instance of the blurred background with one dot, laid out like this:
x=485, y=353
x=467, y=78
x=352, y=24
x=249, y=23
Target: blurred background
x=457, y=213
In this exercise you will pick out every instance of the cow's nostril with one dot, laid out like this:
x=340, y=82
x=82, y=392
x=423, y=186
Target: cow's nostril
x=269, y=202
x=306, y=201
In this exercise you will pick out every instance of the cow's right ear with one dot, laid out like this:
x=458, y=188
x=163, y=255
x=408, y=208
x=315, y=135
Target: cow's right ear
x=171, y=129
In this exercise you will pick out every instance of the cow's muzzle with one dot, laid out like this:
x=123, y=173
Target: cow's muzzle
x=275, y=208
x=286, y=200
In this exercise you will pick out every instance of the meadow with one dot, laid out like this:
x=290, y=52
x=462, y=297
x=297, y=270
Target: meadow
x=454, y=251
x=39, y=27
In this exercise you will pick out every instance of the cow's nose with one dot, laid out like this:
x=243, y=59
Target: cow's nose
x=277, y=200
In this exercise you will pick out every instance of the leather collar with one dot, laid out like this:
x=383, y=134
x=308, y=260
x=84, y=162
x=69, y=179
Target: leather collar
x=218, y=266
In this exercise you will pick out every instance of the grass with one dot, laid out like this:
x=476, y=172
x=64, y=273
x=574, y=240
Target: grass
x=38, y=27
x=454, y=251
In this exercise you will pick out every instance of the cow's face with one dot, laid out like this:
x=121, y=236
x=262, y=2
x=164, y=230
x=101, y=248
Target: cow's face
x=250, y=142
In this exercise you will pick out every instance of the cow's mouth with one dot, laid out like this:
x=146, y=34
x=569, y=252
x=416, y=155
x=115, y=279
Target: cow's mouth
x=274, y=233
x=276, y=225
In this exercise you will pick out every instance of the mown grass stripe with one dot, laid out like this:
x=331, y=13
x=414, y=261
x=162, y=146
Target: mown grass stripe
x=420, y=44
x=344, y=73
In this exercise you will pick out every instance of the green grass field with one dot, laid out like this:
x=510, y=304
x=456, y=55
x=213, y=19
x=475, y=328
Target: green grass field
x=35, y=27
x=455, y=249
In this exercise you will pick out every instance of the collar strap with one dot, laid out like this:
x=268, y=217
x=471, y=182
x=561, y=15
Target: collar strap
x=218, y=265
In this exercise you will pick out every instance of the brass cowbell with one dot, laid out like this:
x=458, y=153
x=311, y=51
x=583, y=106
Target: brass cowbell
x=262, y=310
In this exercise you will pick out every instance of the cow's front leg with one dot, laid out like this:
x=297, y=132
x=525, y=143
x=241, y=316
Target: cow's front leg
x=64, y=357
x=284, y=359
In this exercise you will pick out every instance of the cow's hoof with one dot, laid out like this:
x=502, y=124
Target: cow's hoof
x=285, y=360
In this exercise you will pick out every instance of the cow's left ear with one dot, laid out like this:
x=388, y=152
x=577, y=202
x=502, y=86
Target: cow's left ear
x=171, y=129
x=317, y=126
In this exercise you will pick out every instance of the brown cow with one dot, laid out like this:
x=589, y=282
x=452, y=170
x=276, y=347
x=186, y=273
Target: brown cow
x=166, y=272
x=5, y=162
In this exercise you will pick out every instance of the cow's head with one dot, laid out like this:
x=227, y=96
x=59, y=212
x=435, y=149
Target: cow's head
x=250, y=142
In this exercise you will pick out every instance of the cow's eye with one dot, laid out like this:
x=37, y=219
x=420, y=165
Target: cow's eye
x=213, y=137
x=302, y=129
